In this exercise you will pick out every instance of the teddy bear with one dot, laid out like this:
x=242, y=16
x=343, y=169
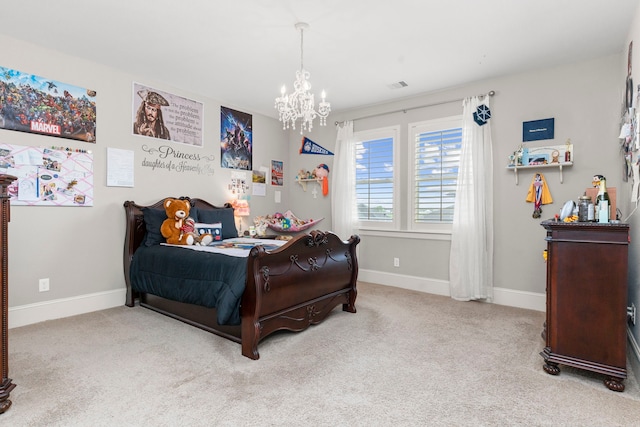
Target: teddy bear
x=178, y=228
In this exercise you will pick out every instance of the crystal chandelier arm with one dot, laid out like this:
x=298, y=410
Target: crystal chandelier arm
x=301, y=103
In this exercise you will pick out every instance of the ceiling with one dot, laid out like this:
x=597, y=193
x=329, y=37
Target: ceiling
x=240, y=52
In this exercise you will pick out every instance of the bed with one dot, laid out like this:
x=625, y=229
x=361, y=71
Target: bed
x=244, y=299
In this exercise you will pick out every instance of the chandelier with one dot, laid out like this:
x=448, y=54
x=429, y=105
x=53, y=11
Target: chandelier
x=301, y=103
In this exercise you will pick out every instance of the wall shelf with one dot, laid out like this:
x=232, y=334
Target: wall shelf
x=515, y=169
x=303, y=181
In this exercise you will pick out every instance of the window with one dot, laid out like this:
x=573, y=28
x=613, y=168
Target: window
x=376, y=190
x=436, y=147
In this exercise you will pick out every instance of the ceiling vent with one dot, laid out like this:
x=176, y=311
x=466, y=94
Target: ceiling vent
x=398, y=85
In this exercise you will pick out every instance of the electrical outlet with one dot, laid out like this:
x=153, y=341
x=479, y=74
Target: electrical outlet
x=396, y=262
x=632, y=315
x=43, y=285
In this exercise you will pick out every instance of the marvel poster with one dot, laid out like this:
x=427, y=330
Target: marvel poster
x=35, y=104
x=235, y=139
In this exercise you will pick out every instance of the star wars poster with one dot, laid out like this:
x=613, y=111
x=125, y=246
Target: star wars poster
x=235, y=139
x=34, y=104
x=163, y=115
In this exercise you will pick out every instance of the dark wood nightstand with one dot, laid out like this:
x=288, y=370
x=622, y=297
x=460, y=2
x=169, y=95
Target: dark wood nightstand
x=587, y=299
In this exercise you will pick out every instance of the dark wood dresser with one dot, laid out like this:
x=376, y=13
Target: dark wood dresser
x=587, y=299
x=5, y=386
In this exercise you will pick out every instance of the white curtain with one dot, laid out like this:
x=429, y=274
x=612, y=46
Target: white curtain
x=471, y=258
x=343, y=183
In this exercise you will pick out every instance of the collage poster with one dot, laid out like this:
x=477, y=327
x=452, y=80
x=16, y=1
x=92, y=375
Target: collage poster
x=162, y=115
x=43, y=106
x=236, y=136
x=48, y=177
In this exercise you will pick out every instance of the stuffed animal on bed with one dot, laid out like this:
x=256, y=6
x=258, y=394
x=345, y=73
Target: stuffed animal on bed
x=178, y=228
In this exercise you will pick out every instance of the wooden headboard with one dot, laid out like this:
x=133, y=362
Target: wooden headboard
x=136, y=231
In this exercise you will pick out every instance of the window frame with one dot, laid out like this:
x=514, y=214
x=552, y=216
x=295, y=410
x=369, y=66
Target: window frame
x=392, y=132
x=415, y=128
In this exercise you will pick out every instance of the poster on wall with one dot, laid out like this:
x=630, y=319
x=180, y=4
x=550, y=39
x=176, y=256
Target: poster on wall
x=236, y=137
x=277, y=174
x=48, y=177
x=238, y=186
x=259, y=182
x=162, y=115
x=34, y=104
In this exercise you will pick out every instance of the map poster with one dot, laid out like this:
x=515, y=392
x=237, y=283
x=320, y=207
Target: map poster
x=35, y=104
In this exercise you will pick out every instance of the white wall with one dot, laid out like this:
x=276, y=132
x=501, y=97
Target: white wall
x=634, y=220
x=584, y=100
x=81, y=249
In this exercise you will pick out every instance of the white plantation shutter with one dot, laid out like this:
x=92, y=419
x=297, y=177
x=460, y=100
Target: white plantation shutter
x=436, y=175
x=375, y=178
x=436, y=157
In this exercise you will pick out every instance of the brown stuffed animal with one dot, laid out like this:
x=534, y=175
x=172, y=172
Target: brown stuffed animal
x=178, y=228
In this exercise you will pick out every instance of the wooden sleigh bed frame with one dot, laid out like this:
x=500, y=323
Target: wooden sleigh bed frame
x=289, y=288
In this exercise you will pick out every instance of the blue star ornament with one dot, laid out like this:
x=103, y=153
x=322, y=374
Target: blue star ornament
x=481, y=115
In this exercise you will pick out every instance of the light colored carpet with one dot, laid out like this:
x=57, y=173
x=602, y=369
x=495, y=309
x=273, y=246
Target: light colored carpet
x=405, y=358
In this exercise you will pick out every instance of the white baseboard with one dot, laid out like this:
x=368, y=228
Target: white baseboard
x=501, y=296
x=521, y=299
x=420, y=284
x=55, y=309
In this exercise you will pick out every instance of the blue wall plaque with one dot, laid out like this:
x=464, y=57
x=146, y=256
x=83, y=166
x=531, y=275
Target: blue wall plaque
x=537, y=129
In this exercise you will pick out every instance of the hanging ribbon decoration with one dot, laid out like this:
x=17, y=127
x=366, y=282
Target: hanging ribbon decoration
x=538, y=194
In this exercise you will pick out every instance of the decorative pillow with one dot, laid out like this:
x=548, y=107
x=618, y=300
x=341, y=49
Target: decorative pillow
x=223, y=216
x=214, y=229
x=153, y=219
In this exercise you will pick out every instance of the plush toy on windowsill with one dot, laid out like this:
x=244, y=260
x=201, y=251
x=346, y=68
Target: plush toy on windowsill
x=178, y=228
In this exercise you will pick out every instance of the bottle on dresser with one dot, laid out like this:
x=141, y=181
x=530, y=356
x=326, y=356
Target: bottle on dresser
x=603, y=204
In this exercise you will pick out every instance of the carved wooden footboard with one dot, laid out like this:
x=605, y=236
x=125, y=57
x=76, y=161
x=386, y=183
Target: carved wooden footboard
x=290, y=288
x=297, y=286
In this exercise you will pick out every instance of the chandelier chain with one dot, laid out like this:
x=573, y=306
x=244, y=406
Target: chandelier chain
x=302, y=48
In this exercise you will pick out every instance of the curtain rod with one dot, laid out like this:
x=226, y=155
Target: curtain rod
x=404, y=110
